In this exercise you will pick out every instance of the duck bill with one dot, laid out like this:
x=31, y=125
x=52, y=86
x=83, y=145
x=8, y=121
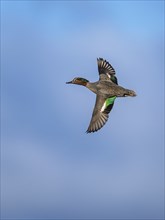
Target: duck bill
x=69, y=82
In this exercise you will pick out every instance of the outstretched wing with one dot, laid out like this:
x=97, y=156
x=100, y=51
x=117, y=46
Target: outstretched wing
x=102, y=106
x=106, y=71
x=100, y=113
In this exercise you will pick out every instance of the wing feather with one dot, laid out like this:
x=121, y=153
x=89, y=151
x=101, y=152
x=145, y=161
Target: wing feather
x=106, y=71
x=99, y=116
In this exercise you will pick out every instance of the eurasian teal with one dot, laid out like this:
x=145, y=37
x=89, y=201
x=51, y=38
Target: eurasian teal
x=106, y=90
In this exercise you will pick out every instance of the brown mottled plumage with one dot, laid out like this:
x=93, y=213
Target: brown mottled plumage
x=106, y=90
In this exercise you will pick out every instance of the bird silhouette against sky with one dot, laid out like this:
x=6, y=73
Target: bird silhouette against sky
x=106, y=90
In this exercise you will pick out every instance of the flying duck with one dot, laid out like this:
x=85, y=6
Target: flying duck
x=106, y=90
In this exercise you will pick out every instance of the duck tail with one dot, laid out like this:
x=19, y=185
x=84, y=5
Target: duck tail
x=130, y=93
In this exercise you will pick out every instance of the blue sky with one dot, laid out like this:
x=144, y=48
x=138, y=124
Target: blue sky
x=50, y=167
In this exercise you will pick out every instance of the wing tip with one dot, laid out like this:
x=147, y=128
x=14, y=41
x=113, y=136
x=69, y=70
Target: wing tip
x=88, y=131
x=100, y=59
x=95, y=127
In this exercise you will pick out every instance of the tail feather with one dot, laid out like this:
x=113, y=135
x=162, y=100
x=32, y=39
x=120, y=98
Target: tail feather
x=130, y=93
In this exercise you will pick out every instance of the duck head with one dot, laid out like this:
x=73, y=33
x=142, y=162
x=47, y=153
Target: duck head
x=78, y=81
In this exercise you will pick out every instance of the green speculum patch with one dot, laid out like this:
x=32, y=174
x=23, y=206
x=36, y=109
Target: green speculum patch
x=110, y=101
